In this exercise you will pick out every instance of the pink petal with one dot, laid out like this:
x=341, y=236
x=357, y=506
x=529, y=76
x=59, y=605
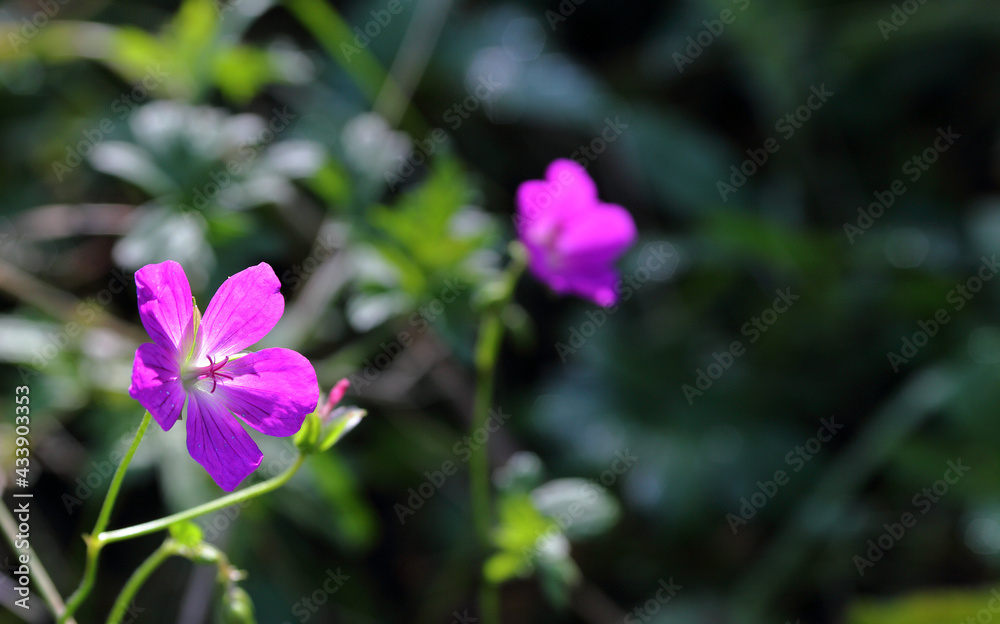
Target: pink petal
x=578, y=187
x=538, y=206
x=540, y=203
x=338, y=391
x=602, y=233
x=244, y=309
x=599, y=284
x=217, y=441
x=165, y=306
x=272, y=390
x=156, y=383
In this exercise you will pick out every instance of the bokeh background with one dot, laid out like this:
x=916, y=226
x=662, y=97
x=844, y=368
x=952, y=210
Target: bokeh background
x=815, y=185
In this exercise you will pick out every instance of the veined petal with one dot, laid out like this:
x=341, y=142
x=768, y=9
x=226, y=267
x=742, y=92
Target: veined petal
x=217, y=441
x=156, y=383
x=165, y=306
x=601, y=234
x=243, y=310
x=272, y=390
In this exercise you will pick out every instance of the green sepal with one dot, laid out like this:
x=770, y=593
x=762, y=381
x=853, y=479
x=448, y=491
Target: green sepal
x=342, y=420
x=308, y=435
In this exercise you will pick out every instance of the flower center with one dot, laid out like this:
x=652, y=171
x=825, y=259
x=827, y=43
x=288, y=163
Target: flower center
x=213, y=370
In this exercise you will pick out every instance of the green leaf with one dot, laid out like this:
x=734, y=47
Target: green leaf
x=521, y=527
x=504, y=566
x=581, y=508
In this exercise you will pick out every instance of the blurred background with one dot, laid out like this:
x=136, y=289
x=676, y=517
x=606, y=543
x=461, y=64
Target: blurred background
x=792, y=415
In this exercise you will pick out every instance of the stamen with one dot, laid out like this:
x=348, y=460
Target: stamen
x=213, y=370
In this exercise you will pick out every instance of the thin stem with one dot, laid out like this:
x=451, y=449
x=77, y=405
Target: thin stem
x=116, y=481
x=487, y=349
x=36, y=570
x=486, y=355
x=161, y=554
x=93, y=548
x=161, y=524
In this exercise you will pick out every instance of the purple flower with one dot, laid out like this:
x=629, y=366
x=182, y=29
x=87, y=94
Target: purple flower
x=201, y=362
x=573, y=239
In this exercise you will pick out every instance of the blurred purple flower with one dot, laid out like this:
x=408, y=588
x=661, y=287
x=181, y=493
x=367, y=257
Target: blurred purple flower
x=573, y=239
x=199, y=361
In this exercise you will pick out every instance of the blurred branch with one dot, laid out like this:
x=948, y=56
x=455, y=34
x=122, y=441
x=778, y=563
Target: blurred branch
x=56, y=302
x=38, y=573
x=414, y=52
x=65, y=220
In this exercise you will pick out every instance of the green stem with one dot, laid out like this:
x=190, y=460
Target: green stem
x=116, y=481
x=487, y=349
x=94, y=549
x=36, y=570
x=161, y=554
x=487, y=353
x=161, y=524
